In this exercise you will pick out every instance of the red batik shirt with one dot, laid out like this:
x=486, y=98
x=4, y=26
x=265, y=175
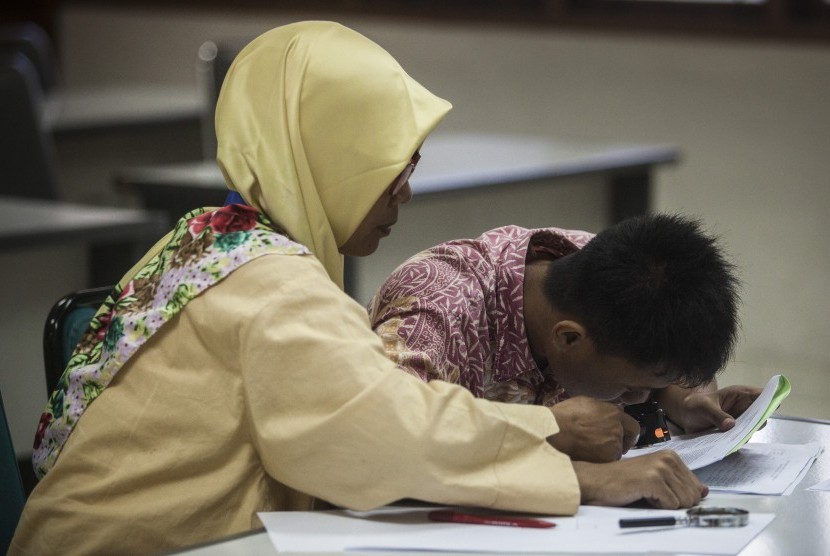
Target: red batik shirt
x=455, y=313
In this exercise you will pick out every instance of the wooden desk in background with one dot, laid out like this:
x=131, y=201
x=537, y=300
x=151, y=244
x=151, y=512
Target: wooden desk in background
x=74, y=111
x=116, y=237
x=465, y=184
x=98, y=130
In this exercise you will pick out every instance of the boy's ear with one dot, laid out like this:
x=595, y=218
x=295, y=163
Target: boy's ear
x=568, y=334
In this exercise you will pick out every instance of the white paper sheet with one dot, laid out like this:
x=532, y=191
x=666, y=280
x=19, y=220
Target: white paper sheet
x=592, y=530
x=760, y=468
x=701, y=449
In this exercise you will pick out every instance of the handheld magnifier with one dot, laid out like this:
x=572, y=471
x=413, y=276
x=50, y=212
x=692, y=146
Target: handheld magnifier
x=696, y=517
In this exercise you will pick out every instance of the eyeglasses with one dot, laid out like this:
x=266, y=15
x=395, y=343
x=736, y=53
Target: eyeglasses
x=404, y=176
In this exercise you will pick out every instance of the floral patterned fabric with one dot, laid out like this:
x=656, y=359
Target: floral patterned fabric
x=205, y=247
x=455, y=313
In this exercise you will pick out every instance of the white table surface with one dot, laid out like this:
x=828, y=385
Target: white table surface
x=800, y=526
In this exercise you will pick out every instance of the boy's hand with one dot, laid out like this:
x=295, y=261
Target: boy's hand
x=591, y=430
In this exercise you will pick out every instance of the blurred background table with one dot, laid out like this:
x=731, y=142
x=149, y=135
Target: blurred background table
x=465, y=184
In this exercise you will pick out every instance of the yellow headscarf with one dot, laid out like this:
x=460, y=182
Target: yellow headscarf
x=313, y=122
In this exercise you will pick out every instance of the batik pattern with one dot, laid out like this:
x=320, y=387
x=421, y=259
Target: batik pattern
x=455, y=313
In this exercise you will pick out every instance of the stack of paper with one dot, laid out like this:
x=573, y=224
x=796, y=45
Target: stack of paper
x=724, y=460
x=759, y=468
x=701, y=449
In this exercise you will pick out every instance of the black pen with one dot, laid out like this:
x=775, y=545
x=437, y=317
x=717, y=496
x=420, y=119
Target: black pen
x=653, y=522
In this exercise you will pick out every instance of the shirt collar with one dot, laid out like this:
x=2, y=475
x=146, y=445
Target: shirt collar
x=515, y=247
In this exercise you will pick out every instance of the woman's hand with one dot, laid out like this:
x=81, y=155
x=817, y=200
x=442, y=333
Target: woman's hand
x=661, y=478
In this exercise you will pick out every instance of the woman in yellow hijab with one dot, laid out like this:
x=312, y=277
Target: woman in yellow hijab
x=229, y=374
x=313, y=124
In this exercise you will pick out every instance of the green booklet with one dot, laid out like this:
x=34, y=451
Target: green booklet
x=776, y=390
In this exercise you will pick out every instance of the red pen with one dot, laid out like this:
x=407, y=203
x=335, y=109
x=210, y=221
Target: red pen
x=450, y=516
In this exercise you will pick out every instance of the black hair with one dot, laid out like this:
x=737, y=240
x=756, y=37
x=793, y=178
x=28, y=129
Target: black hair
x=654, y=290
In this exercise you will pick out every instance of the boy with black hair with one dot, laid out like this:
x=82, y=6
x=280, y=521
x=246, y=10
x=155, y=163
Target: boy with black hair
x=645, y=309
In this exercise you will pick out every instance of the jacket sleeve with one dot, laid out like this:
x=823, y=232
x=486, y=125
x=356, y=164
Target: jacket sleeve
x=333, y=417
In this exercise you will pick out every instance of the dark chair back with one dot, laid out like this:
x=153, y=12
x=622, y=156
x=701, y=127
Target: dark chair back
x=34, y=42
x=65, y=325
x=12, y=496
x=27, y=161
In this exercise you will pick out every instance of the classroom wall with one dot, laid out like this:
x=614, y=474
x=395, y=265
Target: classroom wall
x=751, y=120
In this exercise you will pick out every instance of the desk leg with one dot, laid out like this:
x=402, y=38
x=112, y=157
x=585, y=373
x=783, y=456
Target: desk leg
x=630, y=195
